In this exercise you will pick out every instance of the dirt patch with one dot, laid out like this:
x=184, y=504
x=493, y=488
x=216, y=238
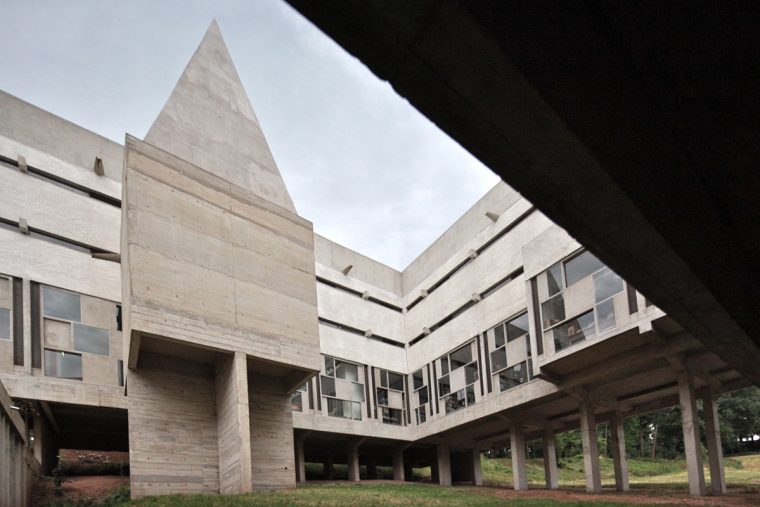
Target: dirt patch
x=95, y=488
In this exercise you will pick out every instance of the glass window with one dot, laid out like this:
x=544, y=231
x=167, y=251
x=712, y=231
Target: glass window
x=498, y=335
x=605, y=315
x=295, y=402
x=383, y=378
x=356, y=411
x=498, y=359
x=553, y=311
x=514, y=376
x=527, y=345
x=470, y=394
x=554, y=279
x=455, y=401
x=444, y=386
x=5, y=324
x=392, y=416
x=461, y=357
x=346, y=371
x=63, y=364
x=382, y=396
x=421, y=414
x=358, y=392
x=395, y=381
x=517, y=327
x=444, y=365
x=91, y=339
x=471, y=373
x=606, y=284
x=61, y=304
x=118, y=318
x=335, y=407
x=423, y=396
x=573, y=331
x=328, y=386
x=329, y=366
x=581, y=266
x=418, y=379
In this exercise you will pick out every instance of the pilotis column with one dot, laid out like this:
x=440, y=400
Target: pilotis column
x=550, y=460
x=690, y=424
x=619, y=460
x=590, y=447
x=444, y=464
x=714, y=446
x=398, y=465
x=517, y=448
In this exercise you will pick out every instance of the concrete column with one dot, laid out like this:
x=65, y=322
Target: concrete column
x=409, y=472
x=477, y=469
x=300, y=464
x=233, y=425
x=352, y=459
x=517, y=448
x=590, y=447
x=619, y=460
x=690, y=424
x=550, y=460
x=443, y=456
x=714, y=446
x=329, y=470
x=398, y=466
x=371, y=469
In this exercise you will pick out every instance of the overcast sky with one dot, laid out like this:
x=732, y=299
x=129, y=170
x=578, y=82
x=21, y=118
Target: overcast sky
x=370, y=171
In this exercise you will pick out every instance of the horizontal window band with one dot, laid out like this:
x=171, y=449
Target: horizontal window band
x=485, y=246
x=95, y=252
x=353, y=330
x=99, y=196
x=356, y=293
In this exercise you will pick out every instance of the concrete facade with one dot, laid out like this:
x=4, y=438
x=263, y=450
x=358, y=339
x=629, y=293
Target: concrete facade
x=241, y=345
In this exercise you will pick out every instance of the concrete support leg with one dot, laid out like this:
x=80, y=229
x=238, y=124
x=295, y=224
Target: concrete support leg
x=619, y=460
x=517, y=448
x=443, y=456
x=590, y=447
x=371, y=469
x=409, y=472
x=690, y=424
x=233, y=425
x=329, y=470
x=352, y=457
x=398, y=465
x=477, y=470
x=714, y=447
x=550, y=460
x=300, y=464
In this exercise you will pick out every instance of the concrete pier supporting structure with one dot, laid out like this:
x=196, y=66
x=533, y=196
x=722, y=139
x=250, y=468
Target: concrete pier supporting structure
x=233, y=424
x=477, y=469
x=517, y=448
x=329, y=469
x=590, y=447
x=691, y=440
x=714, y=446
x=300, y=461
x=398, y=466
x=550, y=459
x=443, y=464
x=352, y=461
x=619, y=460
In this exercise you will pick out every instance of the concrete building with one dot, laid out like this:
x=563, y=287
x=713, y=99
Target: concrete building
x=164, y=297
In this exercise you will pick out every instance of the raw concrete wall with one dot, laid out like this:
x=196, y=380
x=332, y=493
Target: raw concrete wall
x=15, y=457
x=173, y=438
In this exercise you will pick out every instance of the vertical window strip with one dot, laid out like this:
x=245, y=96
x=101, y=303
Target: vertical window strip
x=36, y=325
x=18, y=321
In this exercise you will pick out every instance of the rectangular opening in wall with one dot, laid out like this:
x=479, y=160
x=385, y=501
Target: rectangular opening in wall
x=63, y=364
x=5, y=324
x=34, y=287
x=61, y=304
x=18, y=322
x=91, y=339
x=120, y=371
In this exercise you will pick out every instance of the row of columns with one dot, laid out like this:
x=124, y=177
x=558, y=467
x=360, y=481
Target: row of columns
x=352, y=460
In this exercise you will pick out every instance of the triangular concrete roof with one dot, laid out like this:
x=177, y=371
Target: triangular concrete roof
x=209, y=121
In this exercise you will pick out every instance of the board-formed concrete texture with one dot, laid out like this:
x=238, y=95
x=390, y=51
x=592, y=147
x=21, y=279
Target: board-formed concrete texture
x=163, y=297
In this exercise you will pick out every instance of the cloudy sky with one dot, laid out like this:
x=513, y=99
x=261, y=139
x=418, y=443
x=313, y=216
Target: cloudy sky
x=360, y=162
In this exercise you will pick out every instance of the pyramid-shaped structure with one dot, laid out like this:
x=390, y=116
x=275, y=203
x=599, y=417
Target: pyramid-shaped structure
x=209, y=121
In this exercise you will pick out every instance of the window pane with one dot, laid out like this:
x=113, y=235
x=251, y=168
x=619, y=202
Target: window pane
x=423, y=396
x=498, y=335
x=581, y=266
x=553, y=311
x=91, y=339
x=418, y=379
x=382, y=396
x=383, y=378
x=329, y=366
x=461, y=357
x=328, y=386
x=295, y=402
x=573, y=331
x=606, y=284
x=395, y=381
x=61, y=304
x=444, y=365
x=356, y=411
x=554, y=279
x=444, y=387
x=5, y=324
x=358, y=392
x=517, y=327
x=392, y=416
x=455, y=401
x=605, y=315
x=470, y=393
x=421, y=414
x=334, y=407
x=514, y=376
x=346, y=371
x=471, y=373
x=63, y=365
x=527, y=345
x=498, y=359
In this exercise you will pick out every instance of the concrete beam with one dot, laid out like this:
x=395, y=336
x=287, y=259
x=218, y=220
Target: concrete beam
x=690, y=424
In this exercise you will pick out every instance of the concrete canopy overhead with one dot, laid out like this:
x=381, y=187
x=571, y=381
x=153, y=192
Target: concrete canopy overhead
x=209, y=121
